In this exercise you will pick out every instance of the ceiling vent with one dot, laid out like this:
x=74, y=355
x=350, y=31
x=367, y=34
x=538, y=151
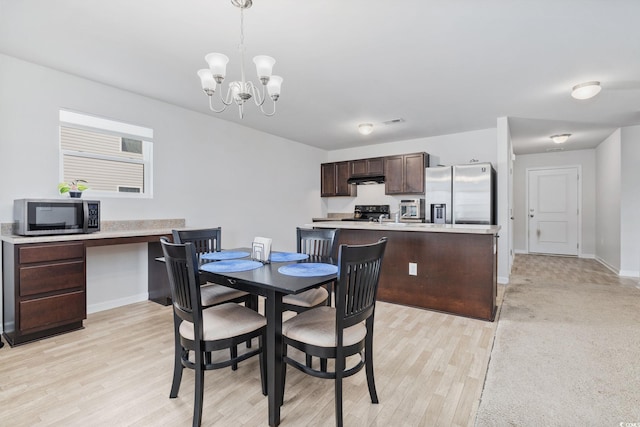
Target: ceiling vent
x=555, y=149
x=393, y=121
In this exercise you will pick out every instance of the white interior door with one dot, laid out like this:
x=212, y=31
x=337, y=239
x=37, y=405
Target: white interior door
x=553, y=214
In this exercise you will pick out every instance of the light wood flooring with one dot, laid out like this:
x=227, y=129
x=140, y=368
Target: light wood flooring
x=429, y=370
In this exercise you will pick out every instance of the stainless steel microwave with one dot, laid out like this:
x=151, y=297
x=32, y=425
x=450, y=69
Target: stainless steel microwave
x=37, y=217
x=412, y=209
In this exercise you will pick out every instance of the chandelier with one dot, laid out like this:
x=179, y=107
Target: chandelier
x=240, y=91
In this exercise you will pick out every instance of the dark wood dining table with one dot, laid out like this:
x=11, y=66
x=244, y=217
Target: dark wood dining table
x=266, y=281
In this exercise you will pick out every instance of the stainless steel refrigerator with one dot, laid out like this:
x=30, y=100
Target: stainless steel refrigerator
x=461, y=194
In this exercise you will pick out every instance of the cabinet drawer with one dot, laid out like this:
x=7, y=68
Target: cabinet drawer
x=44, y=313
x=51, y=252
x=39, y=279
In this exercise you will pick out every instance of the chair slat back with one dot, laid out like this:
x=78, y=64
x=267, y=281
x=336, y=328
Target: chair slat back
x=358, y=279
x=317, y=242
x=204, y=240
x=182, y=268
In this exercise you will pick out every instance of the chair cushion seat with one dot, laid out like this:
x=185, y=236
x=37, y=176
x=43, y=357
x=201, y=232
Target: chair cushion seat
x=318, y=327
x=212, y=294
x=225, y=321
x=309, y=298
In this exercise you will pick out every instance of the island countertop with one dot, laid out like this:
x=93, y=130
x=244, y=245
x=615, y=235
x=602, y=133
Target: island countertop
x=411, y=227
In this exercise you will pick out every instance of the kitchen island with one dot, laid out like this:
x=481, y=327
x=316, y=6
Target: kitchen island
x=455, y=267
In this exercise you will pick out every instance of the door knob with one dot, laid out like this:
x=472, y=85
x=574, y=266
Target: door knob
x=531, y=216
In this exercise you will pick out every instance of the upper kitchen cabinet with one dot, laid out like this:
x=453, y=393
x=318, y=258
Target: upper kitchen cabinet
x=367, y=167
x=333, y=180
x=404, y=174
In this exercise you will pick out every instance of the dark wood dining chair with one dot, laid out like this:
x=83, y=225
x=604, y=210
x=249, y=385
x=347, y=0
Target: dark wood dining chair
x=321, y=242
x=201, y=331
x=209, y=240
x=344, y=330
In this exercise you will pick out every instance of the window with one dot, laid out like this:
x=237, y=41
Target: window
x=114, y=158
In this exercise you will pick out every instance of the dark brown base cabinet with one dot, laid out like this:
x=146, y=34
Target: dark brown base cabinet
x=457, y=272
x=44, y=290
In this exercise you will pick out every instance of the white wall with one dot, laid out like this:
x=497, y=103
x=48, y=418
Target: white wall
x=608, y=185
x=584, y=158
x=630, y=202
x=209, y=171
x=504, y=153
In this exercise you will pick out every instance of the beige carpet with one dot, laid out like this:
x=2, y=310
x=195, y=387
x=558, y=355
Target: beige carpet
x=567, y=348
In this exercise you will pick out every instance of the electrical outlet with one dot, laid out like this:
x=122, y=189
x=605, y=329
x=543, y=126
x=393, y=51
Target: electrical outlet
x=413, y=269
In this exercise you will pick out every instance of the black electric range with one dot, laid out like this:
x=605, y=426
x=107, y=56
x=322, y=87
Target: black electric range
x=369, y=213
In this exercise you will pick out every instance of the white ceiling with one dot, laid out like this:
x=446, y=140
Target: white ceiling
x=442, y=66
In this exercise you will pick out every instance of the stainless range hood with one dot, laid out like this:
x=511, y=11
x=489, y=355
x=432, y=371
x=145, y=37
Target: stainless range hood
x=365, y=180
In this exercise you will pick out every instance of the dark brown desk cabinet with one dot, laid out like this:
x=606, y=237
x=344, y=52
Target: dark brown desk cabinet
x=44, y=289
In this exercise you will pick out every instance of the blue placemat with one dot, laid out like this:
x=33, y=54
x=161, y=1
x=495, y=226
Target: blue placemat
x=217, y=256
x=287, y=256
x=308, y=269
x=231, y=266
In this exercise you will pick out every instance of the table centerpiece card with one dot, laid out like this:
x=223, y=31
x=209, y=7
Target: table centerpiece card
x=261, y=249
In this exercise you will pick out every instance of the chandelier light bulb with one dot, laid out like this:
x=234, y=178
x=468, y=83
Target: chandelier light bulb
x=264, y=67
x=365, y=128
x=273, y=87
x=586, y=90
x=207, y=81
x=218, y=65
x=559, y=139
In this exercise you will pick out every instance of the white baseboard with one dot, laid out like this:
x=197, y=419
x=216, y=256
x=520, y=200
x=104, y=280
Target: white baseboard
x=94, y=308
x=526, y=252
x=629, y=273
x=610, y=267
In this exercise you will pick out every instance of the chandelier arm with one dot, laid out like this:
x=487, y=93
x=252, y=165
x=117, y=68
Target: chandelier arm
x=213, y=109
x=268, y=114
x=258, y=98
x=228, y=100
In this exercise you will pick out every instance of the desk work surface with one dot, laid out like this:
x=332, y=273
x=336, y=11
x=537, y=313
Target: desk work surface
x=108, y=230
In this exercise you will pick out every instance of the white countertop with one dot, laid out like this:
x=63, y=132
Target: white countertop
x=410, y=227
x=110, y=230
x=12, y=238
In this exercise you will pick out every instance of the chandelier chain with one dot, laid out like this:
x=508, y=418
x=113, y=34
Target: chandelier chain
x=241, y=47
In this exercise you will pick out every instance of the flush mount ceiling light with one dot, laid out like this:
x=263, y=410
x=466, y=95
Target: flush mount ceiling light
x=586, y=90
x=559, y=139
x=365, y=128
x=240, y=91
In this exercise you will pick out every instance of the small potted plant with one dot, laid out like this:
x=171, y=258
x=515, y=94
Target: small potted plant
x=74, y=188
